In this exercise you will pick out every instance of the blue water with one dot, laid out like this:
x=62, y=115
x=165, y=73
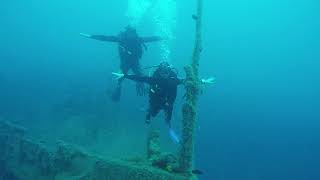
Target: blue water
x=260, y=119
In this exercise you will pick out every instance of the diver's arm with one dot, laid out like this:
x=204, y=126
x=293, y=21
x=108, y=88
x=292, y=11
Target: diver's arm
x=105, y=38
x=101, y=37
x=145, y=79
x=151, y=39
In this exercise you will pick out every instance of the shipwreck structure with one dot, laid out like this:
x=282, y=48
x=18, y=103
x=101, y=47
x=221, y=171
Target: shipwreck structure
x=25, y=159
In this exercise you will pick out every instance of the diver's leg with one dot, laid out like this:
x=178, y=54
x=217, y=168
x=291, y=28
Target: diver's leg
x=153, y=110
x=124, y=66
x=136, y=69
x=168, y=114
x=117, y=91
x=124, y=70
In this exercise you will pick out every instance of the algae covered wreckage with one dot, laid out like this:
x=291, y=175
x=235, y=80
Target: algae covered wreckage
x=25, y=159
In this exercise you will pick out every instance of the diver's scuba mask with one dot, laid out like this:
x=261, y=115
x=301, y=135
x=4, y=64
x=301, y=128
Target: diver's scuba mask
x=164, y=69
x=130, y=32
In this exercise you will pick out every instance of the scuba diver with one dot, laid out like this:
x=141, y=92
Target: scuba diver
x=130, y=49
x=163, y=91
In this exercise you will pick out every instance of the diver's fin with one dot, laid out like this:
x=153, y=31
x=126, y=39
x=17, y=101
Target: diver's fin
x=174, y=136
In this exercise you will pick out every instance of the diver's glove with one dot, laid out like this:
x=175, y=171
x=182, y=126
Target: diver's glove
x=208, y=81
x=85, y=35
x=119, y=76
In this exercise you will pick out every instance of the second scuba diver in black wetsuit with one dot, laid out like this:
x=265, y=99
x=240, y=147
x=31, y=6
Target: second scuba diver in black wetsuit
x=130, y=49
x=163, y=91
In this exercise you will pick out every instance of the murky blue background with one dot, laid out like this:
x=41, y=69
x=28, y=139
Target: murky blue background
x=260, y=119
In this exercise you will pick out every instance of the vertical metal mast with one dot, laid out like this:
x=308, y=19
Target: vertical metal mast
x=189, y=108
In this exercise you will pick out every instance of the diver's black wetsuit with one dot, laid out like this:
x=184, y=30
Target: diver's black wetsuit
x=162, y=94
x=130, y=49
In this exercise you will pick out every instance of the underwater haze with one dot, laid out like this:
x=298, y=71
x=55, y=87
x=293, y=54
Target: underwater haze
x=259, y=121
